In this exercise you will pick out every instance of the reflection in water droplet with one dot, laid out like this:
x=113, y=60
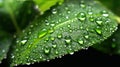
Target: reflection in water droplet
x=81, y=16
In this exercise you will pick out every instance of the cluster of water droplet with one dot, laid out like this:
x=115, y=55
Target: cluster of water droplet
x=66, y=33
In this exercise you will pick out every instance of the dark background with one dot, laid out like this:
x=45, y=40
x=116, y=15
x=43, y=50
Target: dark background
x=89, y=57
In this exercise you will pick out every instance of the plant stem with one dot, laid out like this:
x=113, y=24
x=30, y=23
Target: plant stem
x=13, y=19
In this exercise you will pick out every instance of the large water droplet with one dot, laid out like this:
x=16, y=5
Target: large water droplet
x=47, y=23
x=86, y=36
x=23, y=41
x=80, y=41
x=42, y=33
x=51, y=30
x=91, y=18
x=54, y=11
x=54, y=45
x=105, y=13
x=59, y=36
x=98, y=30
x=67, y=40
x=69, y=26
x=52, y=38
x=99, y=21
x=46, y=50
x=52, y=25
x=81, y=16
x=82, y=5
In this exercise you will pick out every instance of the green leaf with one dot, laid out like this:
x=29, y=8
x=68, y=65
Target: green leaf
x=110, y=45
x=65, y=29
x=5, y=42
x=44, y=5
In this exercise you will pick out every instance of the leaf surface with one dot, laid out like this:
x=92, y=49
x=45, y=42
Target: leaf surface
x=64, y=29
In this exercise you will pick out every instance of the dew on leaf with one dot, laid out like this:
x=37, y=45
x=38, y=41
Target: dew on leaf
x=42, y=33
x=81, y=16
x=99, y=21
x=98, y=30
x=80, y=41
x=54, y=45
x=46, y=50
x=82, y=4
x=105, y=13
x=86, y=36
x=59, y=36
x=91, y=18
x=23, y=41
x=52, y=25
x=54, y=11
x=67, y=40
x=52, y=38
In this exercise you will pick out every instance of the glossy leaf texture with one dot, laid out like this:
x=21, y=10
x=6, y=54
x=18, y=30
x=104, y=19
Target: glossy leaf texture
x=64, y=29
x=44, y=5
x=111, y=45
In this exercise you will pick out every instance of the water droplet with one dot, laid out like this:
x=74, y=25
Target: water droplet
x=54, y=11
x=99, y=21
x=56, y=52
x=46, y=50
x=86, y=36
x=28, y=63
x=70, y=30
x=80, y=41
x=91, y=18
x=54, y=46
x=105, y=13
x=67, y=17
x=67, y=40
x=81, y=16
x=59, y=36
x=47, y=23
x=51, y=30
x=23, y=41
x=69, y=25
x=3, y=51
x=71, y=53
x=42, y=33
x=52, y=38
x=31, y=26
x=52, y=25
x=82, y=5
x=98, y=30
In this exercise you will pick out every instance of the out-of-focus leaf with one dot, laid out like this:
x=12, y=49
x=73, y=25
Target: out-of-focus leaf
x=65, y=29
x=44, y=5
x=5, y=42
x=111, y=45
